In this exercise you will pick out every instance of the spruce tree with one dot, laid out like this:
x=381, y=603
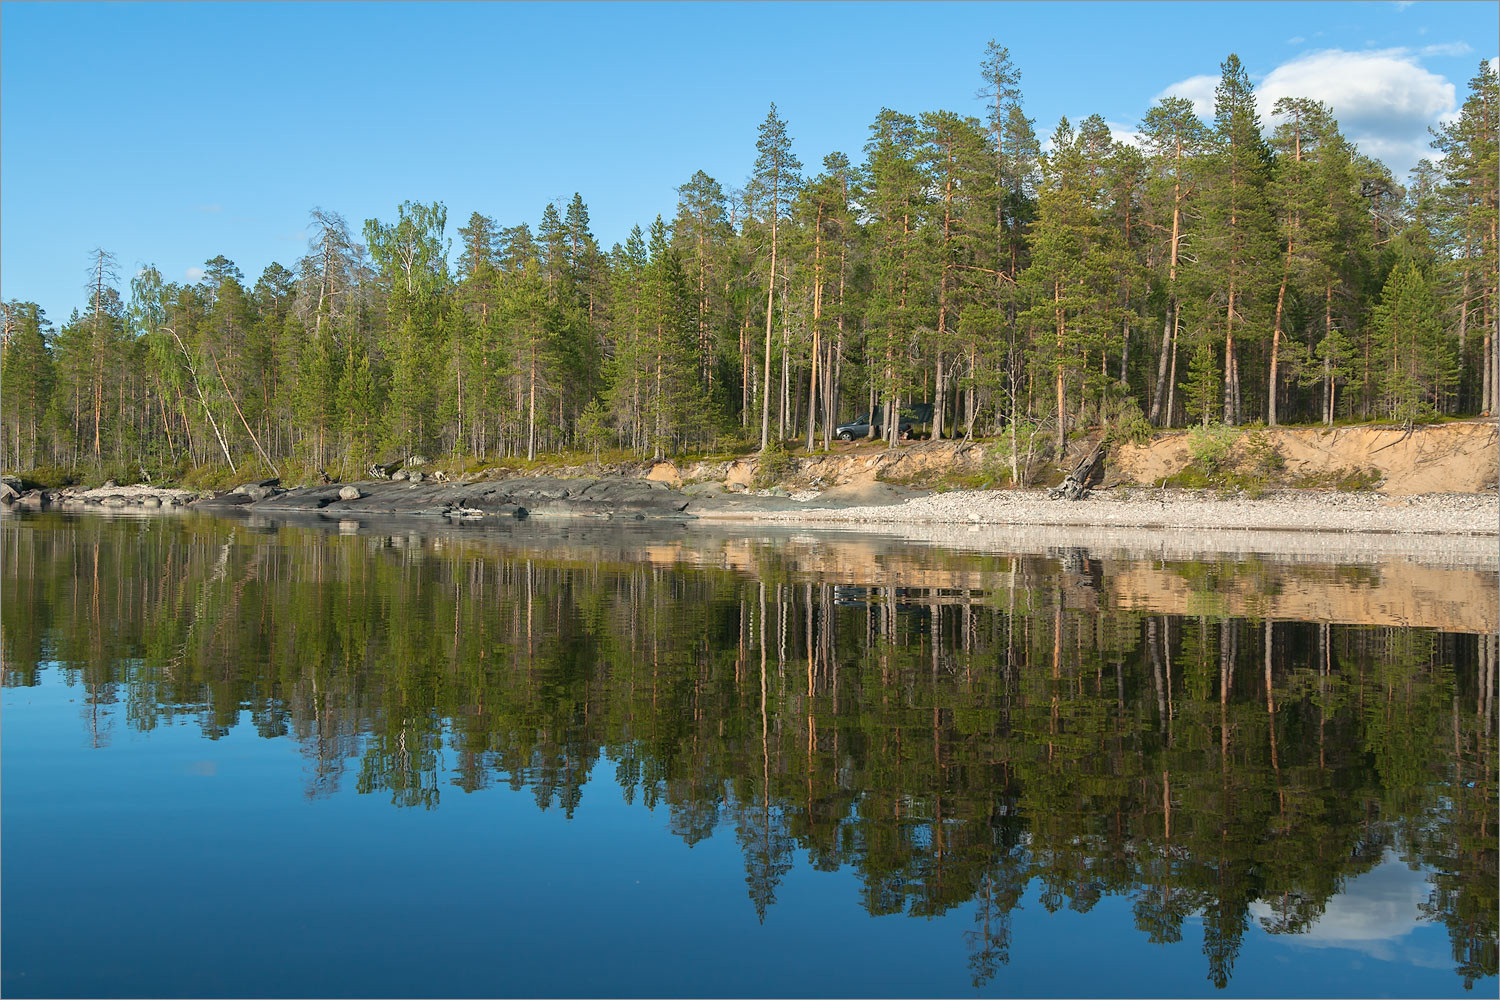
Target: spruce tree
x=1238, y=239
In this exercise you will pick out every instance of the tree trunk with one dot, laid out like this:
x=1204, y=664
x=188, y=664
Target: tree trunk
x=765, y=409
x=1229, y=381
x=1062, y=409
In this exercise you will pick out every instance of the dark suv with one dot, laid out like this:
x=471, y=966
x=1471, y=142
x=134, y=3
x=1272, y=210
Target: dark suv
x=860, y=427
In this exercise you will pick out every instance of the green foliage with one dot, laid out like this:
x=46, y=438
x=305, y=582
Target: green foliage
x=1211, y=447
x=773, y=466
x=1129, y=424
x=49, y=477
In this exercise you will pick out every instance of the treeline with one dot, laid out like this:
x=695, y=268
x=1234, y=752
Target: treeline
x=949, y=747
x=1233, y=270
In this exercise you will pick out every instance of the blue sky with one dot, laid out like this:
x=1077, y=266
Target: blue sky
x=172, y=133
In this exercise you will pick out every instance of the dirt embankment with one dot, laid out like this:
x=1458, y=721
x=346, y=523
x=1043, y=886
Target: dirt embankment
x=1458, y=457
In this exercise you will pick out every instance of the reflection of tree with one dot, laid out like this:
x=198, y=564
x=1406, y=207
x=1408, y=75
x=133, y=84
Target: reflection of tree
x=954, y=748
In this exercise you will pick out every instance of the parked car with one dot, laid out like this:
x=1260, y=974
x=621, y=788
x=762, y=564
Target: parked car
x=860, y=427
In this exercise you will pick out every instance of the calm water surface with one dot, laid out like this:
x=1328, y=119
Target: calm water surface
x=258, y=758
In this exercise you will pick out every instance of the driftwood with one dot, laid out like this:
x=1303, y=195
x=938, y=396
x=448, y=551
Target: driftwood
x=1076, y=486
x=383, y=470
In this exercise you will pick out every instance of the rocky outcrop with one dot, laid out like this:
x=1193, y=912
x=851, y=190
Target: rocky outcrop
x=518, y=497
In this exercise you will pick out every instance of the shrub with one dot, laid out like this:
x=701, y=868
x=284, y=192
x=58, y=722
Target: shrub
x=48, y=477
x=1130, y=425
x=1265, y=457
x=774, y=466
x=1211, y=447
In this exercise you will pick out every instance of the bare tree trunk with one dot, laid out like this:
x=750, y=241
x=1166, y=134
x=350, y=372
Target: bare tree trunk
x=1062, y=407
x=765, y=409
x=817, y=318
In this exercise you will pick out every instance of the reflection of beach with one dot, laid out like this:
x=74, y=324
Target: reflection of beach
x=1446, y=582
x=1374, y=914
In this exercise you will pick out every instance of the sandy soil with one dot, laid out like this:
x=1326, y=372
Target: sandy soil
x=1459, y=457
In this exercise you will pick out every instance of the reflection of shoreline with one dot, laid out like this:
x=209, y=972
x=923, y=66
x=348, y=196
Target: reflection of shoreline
x=1443, y=582
x=1303, y=545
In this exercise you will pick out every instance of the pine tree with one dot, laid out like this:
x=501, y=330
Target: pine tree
x=1238, y=237
x=25, y=383
x=894, y=195
x=774, y=184
x=1471, y=162
x=1175, y=139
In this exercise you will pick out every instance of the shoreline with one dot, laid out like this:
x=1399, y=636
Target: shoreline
x=1286, y=511
x=1158, y=522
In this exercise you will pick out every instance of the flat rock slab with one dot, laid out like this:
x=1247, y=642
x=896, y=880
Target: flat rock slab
x=511, y=497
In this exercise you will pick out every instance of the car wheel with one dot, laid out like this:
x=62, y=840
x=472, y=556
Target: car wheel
x=845, y=436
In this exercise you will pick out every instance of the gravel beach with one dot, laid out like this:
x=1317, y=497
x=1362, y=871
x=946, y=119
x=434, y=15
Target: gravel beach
x=1448, y=513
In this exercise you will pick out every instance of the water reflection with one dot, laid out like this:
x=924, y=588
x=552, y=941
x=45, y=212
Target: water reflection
x=956, y=728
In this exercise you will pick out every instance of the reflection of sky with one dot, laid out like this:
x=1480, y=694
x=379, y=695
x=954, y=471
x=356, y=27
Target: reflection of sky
x=1376, y=914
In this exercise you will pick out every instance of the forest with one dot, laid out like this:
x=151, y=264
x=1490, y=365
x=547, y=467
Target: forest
x=1237, y=270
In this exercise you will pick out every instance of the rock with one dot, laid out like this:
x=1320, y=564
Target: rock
x=225, y=500
x=439, y=476
x=415, y=477
x=8, y=493
x=32, y=499
x=114, y=501
x=109, y=484
x=778, y=491
x=735, y=487
x=665, y=472
x=150, y=502
x=400, y=475
x=703, y=489
x=349, y=493
x=416, y=460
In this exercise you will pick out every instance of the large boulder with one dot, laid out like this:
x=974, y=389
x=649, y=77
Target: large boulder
x=8, y=493
x=349, y=493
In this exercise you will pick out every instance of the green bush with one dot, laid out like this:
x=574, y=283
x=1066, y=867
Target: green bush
x=1265, y=457
x=774, y=466
x=49, y=477
x=1129, y=425
x=1211, y=446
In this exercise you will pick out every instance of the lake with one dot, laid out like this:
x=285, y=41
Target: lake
x=244, y=757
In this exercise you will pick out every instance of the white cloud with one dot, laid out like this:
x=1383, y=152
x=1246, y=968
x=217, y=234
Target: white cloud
x=1447, y=49
x=1198, y=89
x=1495, y=64
x=1121, y=132
x=1295, y=40
x=1384, y=100
x=194, y=273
